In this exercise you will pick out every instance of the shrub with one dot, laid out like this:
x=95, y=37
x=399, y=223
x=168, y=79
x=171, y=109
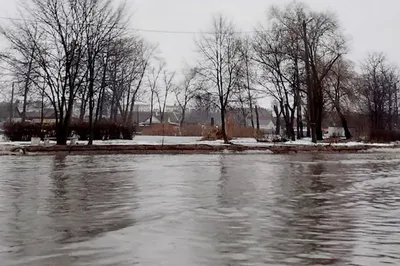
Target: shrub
x=191, y=130
x=172, y=130
x=208, y=132
x=384, y=136
x=24, y=131
x=160, y=130
x=213, y=133
x=103, y=130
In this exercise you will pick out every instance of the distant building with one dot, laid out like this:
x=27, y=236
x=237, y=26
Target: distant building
x=49, y=116
x=34, y=116
x=143, y=118
x=335, y=132
x=141, y=107
x=6, y=114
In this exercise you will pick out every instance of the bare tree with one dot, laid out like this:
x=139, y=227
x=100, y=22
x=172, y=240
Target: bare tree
x=60, y=53
x=340, y=90
x=64, y=39
x=379, y=90
x=153, y=83
x=103, y=25
x=278, y=114
x=186, y=91
x=220, y=59
x=325, y=46
x=315, y=38
x=168, y=84
x=124, y=69
x=205, y=103
x=20, y=60
x=145, y=53
x=247, y=94
x=120, y=66
x=277, y=76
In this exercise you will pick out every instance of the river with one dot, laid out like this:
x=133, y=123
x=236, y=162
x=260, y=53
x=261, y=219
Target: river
x=253, y=209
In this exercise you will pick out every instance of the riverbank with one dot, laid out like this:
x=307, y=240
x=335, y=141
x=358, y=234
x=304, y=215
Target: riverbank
x=189, y=145
x=188, y=149
x=193, y=149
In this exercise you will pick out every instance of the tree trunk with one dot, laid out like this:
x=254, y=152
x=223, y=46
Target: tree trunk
x=42, y=110
x=277, y=121
x=112, y=104
x=61, y=134
x=26, y=87
x=347, y=132
x=223, y=126
x=278, y=125
x=96, y=116
x=310, y=87
x=63, y=126
x=299, y=116
x=101, y=108
x=318, y=101
x=257, y=118
x=182, y=117
x=135, y=93
x=292, y=119
x=318, y=127
x=308, y=129
x=151, y=107
x=130, y=115
x=91, y=107
x=249, y=94
x=100, y=102
x=290, y=131
x=12, y=104
x=251, y=113
x=24, y=104
x=91, y=103
x=82, y=108
x=61, y=129
x=244, y=116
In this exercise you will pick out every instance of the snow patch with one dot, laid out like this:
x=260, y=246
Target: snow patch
x=353, y=143
x=257, y=152
x=249, y=142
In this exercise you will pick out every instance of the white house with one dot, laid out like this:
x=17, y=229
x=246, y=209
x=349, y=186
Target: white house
x=146, y=122
x=337, y=132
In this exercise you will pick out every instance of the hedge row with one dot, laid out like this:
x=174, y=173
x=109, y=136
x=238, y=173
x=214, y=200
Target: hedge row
x=22, y=131
x=384, y=136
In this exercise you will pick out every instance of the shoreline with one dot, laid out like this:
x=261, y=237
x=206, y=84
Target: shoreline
x=173, y=149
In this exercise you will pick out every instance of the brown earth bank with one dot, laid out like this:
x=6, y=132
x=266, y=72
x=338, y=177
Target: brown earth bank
x=186, y=149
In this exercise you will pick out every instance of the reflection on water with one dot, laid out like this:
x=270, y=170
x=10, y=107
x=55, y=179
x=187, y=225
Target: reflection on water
x=200, y=210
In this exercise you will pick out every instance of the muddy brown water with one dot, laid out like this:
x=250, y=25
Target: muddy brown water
x=254, y=209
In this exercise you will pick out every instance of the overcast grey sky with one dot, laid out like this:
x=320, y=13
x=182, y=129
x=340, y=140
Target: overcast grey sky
x=371, y=25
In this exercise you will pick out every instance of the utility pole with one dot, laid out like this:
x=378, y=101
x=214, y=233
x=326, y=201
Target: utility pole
x=12, y=103
x=310, y=87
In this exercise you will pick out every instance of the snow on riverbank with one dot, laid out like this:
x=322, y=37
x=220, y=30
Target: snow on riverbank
x=159, y=140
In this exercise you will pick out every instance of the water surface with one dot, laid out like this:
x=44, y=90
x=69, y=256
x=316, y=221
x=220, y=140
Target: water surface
x=200, y=210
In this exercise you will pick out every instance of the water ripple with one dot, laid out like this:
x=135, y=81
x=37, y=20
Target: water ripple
x=200, y=210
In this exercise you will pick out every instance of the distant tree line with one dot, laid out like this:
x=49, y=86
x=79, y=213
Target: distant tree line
x=81, y=57
x=298, y=58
